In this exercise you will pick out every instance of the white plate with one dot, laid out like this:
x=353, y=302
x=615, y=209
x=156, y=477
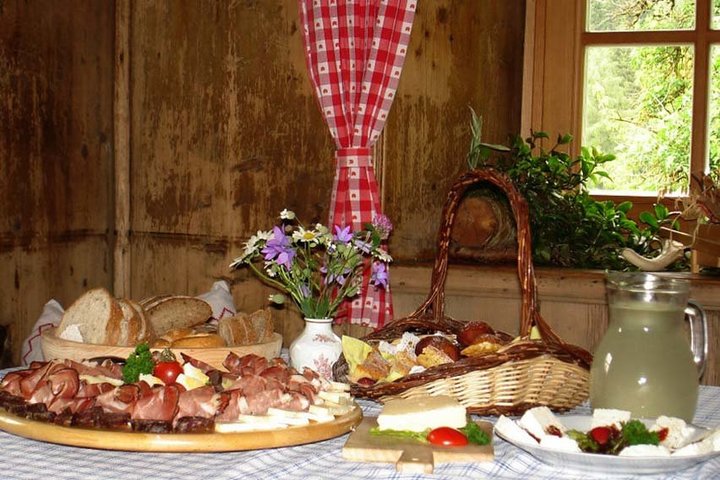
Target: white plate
x=598, y=463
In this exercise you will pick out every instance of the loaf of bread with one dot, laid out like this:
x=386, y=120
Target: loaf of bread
x=247, y=329
x=94, y=317
x=166, y=313
x=133, y=327
x=98, y=317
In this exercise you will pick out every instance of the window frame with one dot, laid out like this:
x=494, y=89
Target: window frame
x=555, y=42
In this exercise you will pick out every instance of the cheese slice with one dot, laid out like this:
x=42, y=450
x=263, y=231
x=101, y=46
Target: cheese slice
x=235, y=427
x=92, y=379
x=420, y=413
x=538, y=420
x=342, y=398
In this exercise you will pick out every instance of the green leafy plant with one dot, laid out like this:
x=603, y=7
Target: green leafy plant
x=569, y=227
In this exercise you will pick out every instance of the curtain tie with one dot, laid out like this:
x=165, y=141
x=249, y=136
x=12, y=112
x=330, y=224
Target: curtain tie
x=354, y=157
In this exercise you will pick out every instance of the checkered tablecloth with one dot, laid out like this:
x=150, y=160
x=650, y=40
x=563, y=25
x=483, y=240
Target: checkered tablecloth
x=22, y=459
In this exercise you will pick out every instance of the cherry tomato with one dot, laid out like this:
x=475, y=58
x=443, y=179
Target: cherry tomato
x=447, y=436
x=601, y=434
x=167, y=371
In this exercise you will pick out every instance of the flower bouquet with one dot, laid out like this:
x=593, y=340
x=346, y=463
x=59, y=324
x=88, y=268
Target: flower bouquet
x=317, y=268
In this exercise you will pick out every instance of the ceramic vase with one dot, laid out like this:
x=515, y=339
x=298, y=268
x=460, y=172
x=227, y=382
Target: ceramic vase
x=317, y=347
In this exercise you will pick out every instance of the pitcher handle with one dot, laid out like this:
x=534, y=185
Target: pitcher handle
x=694, y=313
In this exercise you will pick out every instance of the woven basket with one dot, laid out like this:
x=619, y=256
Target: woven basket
x=519, y=376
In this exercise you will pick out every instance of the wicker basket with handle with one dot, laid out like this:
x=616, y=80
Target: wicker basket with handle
x=519, y=376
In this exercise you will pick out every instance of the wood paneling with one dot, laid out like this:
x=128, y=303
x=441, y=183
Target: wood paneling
x=226, y=130
x=462, y=54
x=55, y=154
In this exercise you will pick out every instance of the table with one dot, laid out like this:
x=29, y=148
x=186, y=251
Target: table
x=23, y=459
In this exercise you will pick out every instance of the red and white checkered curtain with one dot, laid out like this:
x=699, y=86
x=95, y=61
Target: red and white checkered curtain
x=355, y=50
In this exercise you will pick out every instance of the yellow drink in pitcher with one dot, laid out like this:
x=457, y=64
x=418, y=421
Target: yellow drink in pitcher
x=644, y=362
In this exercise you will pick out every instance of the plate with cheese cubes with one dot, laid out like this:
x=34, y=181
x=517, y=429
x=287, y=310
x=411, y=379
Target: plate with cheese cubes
x=610, y=441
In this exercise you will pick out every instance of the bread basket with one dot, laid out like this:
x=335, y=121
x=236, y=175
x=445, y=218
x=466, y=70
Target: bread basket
x=521, y=375
x=55, y=347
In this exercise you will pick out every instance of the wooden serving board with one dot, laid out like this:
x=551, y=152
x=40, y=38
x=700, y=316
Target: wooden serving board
x=55, y=347
x=178, y=442
x=410, y=456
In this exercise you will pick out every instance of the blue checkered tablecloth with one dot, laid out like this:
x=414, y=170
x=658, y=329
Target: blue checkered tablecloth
x=23, y=459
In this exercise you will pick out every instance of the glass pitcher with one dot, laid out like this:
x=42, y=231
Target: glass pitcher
x=644, y=362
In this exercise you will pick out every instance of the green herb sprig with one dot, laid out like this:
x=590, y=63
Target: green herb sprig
x=475, y=434
x=137, y=363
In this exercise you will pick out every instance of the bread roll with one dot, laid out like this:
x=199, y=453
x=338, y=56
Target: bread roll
x=95, y=314
x=200, y=340
x=166, y=340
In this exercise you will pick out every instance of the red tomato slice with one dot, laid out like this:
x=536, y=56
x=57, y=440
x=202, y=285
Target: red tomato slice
x=447, y=436
x=167, y=371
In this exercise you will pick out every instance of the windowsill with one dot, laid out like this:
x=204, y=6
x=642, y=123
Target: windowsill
x=553, y=284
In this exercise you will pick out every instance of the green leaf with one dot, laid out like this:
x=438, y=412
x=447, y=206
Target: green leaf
x=649, y=219
x=564, y=139
x=419, y=436
x=496, y=147
x=475, y=434
x=661, y=211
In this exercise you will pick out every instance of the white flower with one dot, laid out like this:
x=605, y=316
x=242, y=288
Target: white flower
x=307, y=236
x=287, y=214
x=251, y=247
x=382, y=255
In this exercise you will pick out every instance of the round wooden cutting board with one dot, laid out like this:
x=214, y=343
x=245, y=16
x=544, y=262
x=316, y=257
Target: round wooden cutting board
x=178, y=442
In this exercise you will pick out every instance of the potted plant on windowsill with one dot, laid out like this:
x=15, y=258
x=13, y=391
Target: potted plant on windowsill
x=569, y=227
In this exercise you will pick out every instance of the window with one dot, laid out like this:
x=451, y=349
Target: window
x=634, y=78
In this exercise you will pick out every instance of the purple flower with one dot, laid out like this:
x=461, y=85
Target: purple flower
x=343, y=235
x=305, y=291
x=383, y=226
x=364, y=247
x=379, y=276
x=278, y=248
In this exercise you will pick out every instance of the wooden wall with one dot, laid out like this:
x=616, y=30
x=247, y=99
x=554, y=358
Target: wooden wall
x=225, y=131
x=216, y=130
x=55, y=155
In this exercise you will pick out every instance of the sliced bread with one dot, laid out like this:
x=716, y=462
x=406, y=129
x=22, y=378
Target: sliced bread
x=132, y=328
x=247, y=329
x=95, y=315
x=172, y=312
x=146, y=332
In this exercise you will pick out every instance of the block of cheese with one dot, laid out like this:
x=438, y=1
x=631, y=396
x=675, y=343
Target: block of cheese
x=539, y=422
x=417, y=414
x=511, y=430
x=604, y=417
